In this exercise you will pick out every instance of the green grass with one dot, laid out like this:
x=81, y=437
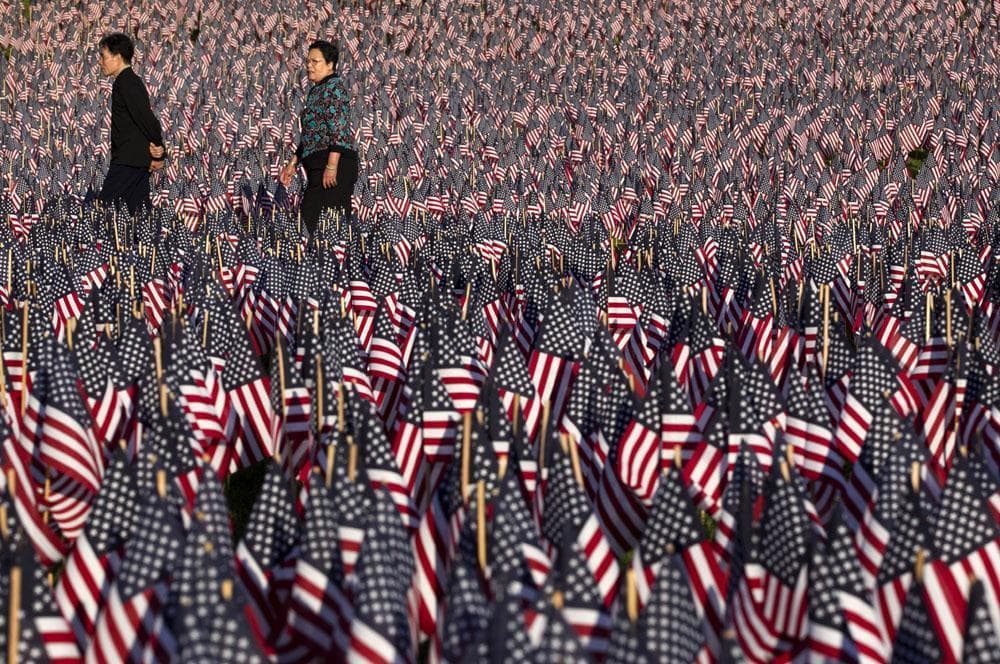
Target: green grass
x=241, y=490
x=915, y=160
x=709, y=524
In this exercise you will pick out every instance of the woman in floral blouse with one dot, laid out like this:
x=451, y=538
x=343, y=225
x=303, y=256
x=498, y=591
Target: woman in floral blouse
x=326, y=148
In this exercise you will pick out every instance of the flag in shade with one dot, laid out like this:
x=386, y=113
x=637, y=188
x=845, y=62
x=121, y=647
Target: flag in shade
x=980, y=641
x=964, y=540
x=670, y=625
x=895, y=573
x=465, y=607
x=42, y=635
x=842, y=623
x=131, y=626
x=506, y=636
x=210, y=623
x=512, y=531
x=266, y=558
x=94, y=561
x=674, y=535
x=382, y=629
x=319, y=613
x=556, y=640
x=916, y=639
x=769, y=608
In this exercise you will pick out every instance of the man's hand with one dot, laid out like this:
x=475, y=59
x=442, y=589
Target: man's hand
x=156, y=151
x=155, y=166
x=287, y=173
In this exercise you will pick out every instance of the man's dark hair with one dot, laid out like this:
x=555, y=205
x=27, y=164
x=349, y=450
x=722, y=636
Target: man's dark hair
x=329, y=51
x=118, y=43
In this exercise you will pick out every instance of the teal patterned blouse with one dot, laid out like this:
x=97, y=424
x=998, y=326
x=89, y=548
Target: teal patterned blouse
x=326, y=119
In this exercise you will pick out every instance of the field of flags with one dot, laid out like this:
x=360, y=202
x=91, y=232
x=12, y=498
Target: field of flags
x=661, y=332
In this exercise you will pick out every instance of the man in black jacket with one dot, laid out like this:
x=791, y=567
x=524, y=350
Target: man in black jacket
x=136, y=135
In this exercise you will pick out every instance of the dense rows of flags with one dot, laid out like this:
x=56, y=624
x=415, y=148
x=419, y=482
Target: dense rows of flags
x=661, y=333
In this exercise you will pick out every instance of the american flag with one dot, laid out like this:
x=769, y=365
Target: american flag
x=266, y=561
x=382, y=628
x=769, y=609
x=842, y=623
x=96, y=556
x=131, y=626
x=319, y=613
x=34, y=628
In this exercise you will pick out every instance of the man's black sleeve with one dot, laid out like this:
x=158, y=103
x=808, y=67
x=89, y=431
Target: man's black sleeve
x=137, y=103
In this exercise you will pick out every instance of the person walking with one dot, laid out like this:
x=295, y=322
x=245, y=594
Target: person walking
x=326, y=147
x=136, y=136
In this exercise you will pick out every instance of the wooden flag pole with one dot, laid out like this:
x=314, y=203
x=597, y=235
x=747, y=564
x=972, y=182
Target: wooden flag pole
x=352, y=459
x=546, y=407
x=466, y=445
x=11, y=482
x=329, y=466
x=481, y=523
x=918, y=565
x=14, y=615
x=515, y=422
x=574, y=456
x=928, y=306
x=465, y=303
x=157, y=348
x=319, y=393
x=631, y=595
x=218, y=254
x=824, y=293
x=947, y=317
x=678, y=460
x=161, y=483
x=131, y=284
x=47, y=493
x=24, y=357
x=3, y=380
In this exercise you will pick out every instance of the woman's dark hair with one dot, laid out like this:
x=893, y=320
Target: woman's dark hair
x=329, y=51
x=118, y=43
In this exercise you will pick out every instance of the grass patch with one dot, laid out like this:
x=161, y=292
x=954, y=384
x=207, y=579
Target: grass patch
x=241, y=490
x=915, y=160
x=709, y=524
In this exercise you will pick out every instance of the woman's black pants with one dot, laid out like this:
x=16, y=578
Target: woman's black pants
x=317, y=199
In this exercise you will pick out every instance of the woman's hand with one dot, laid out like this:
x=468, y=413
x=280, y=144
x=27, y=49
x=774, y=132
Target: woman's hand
x=287, y=173
x=329, y=177
x=330, y=172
